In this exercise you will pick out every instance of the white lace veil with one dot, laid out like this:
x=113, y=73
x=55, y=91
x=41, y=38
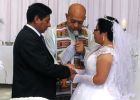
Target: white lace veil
x=124, y=70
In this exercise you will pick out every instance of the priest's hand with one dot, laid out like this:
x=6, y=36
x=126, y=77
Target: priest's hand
x=79, y=47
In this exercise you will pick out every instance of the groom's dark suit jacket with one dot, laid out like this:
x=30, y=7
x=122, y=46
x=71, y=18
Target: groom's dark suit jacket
x=35, y=73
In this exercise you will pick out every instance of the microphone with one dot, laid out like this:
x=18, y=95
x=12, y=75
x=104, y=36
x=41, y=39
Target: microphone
x=76, y=33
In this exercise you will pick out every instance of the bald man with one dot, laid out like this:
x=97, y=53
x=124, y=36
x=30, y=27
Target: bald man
x=69, y=39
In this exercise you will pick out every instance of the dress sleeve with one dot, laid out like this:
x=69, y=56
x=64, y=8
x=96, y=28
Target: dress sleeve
x=105, y=50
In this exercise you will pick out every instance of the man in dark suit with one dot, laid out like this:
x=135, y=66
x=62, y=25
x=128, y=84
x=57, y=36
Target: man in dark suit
x=35, y=73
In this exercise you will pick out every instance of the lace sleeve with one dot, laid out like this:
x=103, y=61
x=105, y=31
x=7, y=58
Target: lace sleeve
x=105, y=50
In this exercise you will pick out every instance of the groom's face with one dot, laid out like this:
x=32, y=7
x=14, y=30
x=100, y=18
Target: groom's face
x=42, y=24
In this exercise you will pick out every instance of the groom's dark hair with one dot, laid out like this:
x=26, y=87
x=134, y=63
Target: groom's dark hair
x=37, y=9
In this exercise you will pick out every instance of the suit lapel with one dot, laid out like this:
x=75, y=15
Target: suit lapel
x=42, y=44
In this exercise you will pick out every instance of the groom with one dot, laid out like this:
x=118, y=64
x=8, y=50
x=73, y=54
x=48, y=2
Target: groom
x=35, y=73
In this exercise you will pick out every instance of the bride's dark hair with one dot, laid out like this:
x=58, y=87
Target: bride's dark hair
x=105, y=25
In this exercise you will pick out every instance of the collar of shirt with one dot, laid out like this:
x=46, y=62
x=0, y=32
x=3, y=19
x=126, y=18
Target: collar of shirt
x=33, y=29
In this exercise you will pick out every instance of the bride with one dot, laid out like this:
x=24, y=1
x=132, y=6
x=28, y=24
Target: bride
x=108, y=70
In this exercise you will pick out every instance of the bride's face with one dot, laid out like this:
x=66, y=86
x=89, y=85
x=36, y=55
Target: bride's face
x=97, y=35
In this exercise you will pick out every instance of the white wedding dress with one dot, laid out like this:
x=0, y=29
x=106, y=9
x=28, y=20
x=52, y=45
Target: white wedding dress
x=107, y=91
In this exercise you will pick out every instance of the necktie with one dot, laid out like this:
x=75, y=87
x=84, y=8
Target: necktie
x=42, y=38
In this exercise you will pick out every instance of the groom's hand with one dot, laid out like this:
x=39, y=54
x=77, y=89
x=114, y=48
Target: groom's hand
x=72, y=76
x=73, y=71
x=72, y=68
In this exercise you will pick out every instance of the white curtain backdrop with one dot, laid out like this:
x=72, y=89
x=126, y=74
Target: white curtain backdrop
x=13, y=13
x=13, y=18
